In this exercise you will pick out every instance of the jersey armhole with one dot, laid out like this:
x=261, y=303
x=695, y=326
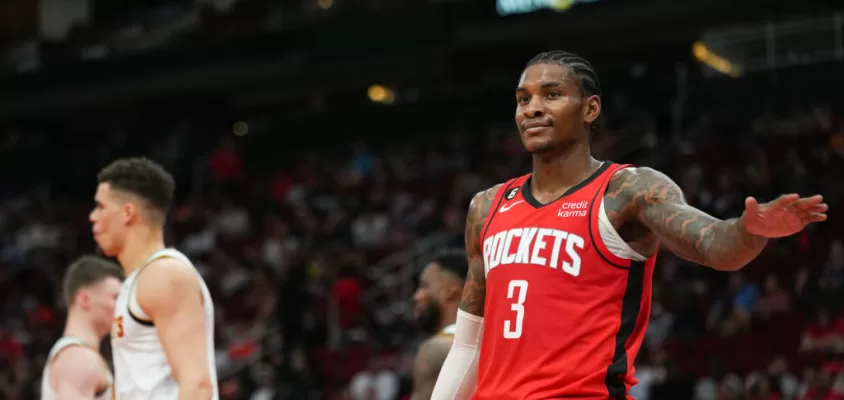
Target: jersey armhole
x=133, y=307
x=52, y=360
x=53, y=356
x=596, y=208
x=615, y=244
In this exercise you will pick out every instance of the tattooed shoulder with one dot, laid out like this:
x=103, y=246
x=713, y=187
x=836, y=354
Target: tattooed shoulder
x=631, y=190
x=474, y=291
x=476, y=217
x=618, y=199
x=624, y=199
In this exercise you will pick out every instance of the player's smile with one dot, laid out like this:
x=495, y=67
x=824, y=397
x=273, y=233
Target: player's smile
x=532, y=128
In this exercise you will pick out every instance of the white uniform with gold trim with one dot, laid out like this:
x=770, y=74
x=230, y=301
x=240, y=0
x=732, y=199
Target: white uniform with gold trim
x=47, y=392
x=141, y=369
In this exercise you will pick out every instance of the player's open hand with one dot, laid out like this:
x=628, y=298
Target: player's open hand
x=784, y=216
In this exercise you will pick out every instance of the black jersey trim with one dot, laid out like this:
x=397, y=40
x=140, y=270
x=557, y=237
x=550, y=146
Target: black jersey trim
x=102, y=391
x=528, y=196
x=631, y=305
x=138, y=319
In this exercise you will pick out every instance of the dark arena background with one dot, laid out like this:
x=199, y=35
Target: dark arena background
x=324, y=148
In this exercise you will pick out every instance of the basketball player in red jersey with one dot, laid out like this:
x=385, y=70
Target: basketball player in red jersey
x=561, y=260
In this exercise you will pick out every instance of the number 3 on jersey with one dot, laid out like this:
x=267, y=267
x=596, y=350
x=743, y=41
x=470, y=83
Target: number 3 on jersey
x=518, y=306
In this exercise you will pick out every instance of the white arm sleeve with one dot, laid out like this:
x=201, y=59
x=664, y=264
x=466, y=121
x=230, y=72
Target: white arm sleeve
x=459, y=374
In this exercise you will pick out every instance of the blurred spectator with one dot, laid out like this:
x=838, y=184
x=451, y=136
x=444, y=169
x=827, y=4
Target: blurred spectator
x=824, y=335
x=823, y=388
x=232, y=221
x=225, y=163
x=832, y=278
x=649, y=372
x=773, y=299
x=279, y=247
x=263, y=376
x=717, y=384
x=786, y=383
x=347, y=292
x=10, y=348
x=735, y=307
x=378, y=382
x=730, y=390
x=291, y=304
x=806, y=295
x=774, y=383
x=760, y=389
x=659, y=327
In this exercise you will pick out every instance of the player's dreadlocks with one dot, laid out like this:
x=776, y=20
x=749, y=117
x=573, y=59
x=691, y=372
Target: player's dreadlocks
x=581, y=69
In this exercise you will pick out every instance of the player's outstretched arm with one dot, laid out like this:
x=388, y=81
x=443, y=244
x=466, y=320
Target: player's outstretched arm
x=459, y=375
x=659, y=204
x=170, y=293
x=427, y=365
x=77, y=373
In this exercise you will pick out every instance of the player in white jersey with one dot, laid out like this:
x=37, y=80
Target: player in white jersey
x=75, y=370
x=162, y=337
x=436, y=300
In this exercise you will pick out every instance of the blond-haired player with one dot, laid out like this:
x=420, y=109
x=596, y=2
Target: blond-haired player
x=75, y=370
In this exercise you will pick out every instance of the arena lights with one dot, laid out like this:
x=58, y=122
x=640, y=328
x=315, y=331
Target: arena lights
x=240, y=128
x=508, y=7
x=714, y=61
x=381, y=94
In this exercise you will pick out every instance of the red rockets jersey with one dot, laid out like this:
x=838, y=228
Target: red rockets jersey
x=563, y=317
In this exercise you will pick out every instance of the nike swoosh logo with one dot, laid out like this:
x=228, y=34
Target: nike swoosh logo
x=506, y=207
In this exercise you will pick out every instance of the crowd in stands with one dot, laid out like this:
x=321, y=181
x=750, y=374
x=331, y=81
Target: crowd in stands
x=312, y=265
x=121, y=29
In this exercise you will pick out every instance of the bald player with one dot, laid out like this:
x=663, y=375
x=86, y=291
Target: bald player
x=75, y=369
x=436, y=299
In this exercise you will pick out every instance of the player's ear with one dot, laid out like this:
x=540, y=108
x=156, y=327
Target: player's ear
x=591, y=109
x=83, y=298
x=130, y=212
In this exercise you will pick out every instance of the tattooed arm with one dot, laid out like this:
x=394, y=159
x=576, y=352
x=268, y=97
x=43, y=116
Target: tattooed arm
x=474, y=291
x=459, y=375
x=427, y=365
x=660, y=205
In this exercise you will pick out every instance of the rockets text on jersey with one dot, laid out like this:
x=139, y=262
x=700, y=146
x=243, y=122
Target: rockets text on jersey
x=567, y=301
